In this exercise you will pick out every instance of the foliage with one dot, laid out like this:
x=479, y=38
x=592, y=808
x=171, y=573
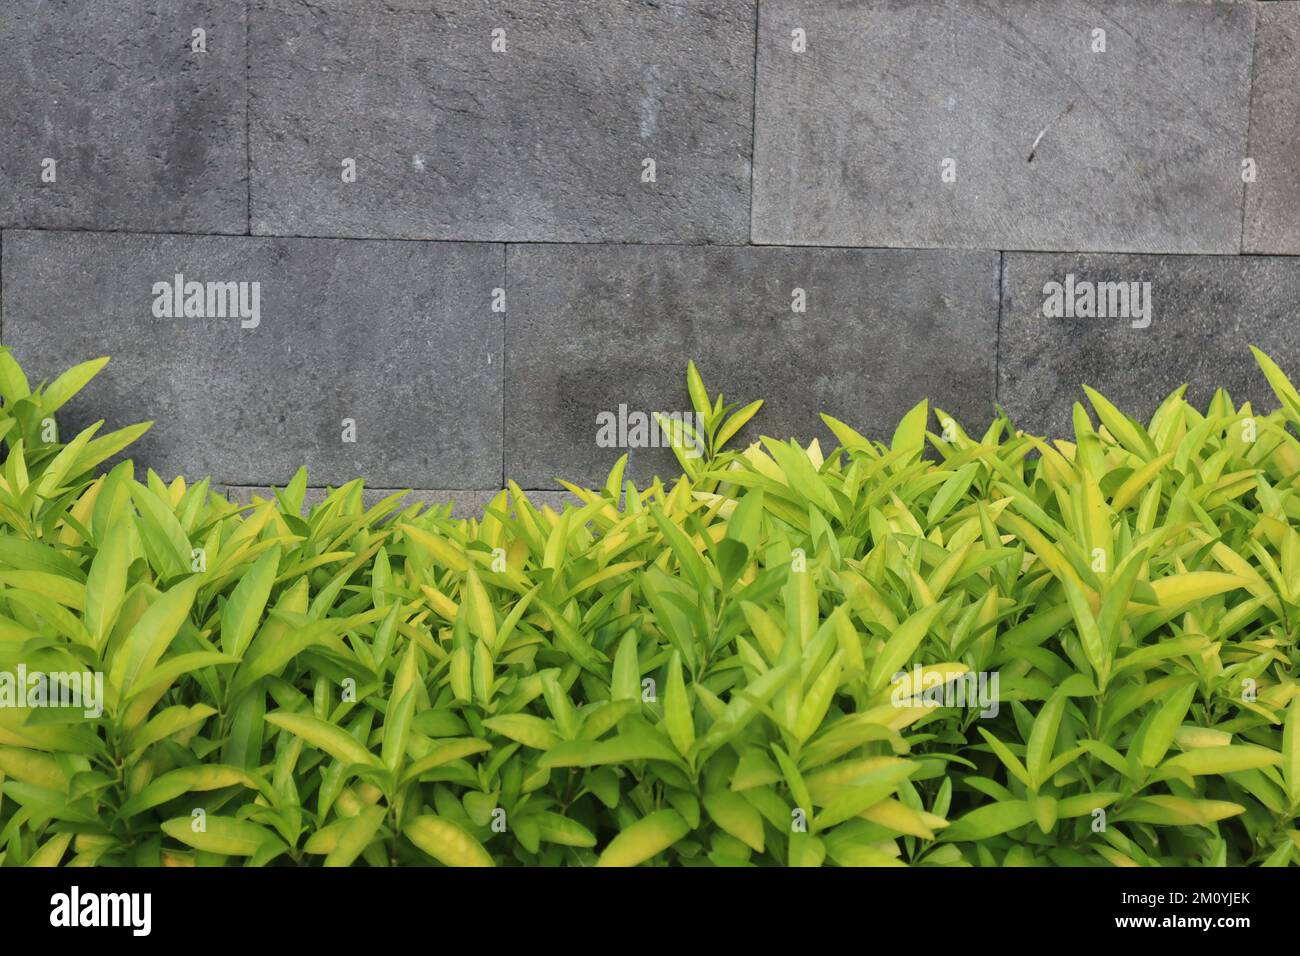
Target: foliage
x=752, y=665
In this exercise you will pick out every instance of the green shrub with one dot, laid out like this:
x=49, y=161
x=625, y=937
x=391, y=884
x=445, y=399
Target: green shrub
x=757, y=664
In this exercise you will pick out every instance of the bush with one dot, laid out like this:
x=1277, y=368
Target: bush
x=943, y=650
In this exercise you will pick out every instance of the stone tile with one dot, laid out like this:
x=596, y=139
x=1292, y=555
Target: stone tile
x=147, y=133
x=544, y=141
x=1273, y=199
x=1135, y=149
x=1205, y=314
x=593, y=327
x=397, y=336
x=465, y=503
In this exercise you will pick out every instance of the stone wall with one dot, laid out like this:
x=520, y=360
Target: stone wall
x=462, y=230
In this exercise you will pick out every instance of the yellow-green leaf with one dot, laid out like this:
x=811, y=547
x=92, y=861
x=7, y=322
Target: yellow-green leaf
x=224, y=835
x=645, y=838
x=678, y=720
x=335, y=741
x=447, y=842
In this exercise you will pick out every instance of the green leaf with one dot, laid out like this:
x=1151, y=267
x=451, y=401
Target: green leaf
x=397, y=729
x=743, y=706
x=152, y=635
x=734, y=814
x=335, y=741
x=524, y=728
x=628, y=746
x=163, y=535
x=560, y=830
x=1126, y=431
x=678, y=720
x=691, y=563
x=446, y=841
x=698, y=393
x=106, y=583
x=626, y=684
x=1176, y=811
x=1088, y=630
x=951, y=492
x=735, y=423
x=1009, y=759
x=864, y=791
x=801, y=475
x=818, y=698
x=446, y=752
x=244, y=609
x=1291, y=752
x=356, y=835
x=746, y=523
x=1042, y=741
x=63, y=388
x=225, y=836
x=1277, y=380
x=13, y=382
x=644, y=839
x=1164, y=725
x=1233, y=758
x=990, y=821
x=909, y=436
x=176, y=783
x=902, y=644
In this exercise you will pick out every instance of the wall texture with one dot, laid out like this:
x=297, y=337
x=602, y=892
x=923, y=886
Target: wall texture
x=462, y=230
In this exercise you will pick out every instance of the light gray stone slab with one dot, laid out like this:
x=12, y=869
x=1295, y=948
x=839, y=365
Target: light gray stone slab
x=398, y=337
x=543, y=141
x=591, y=328
x=1056, y=147
x=147, y=132
x=1205, y=314
x=1273, y=199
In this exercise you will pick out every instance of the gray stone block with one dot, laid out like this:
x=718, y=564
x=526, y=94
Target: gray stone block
x=147, y=133
x=1137, y=148
x=544, y=141
x=593, y=327
x=1273, y=199
x=465, y=503
x=1205, y=314
x=398, y=337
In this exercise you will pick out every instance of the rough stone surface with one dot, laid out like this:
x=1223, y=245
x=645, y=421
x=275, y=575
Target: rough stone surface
x=147, y=133
x=1137, y=149
x=590, y=328
x=1066, y=157
x=1206, y=313
x=544, y=141
x=397, y=336
x=465, y=503
x=1273, y=199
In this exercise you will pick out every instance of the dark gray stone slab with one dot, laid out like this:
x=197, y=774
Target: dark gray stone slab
x=147, y=133
x=593, y=327
x=465, y=503
x=1205, y=314
x=544, y=141
x=397, y=336
x=1137, y=148
x=1273, y=199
